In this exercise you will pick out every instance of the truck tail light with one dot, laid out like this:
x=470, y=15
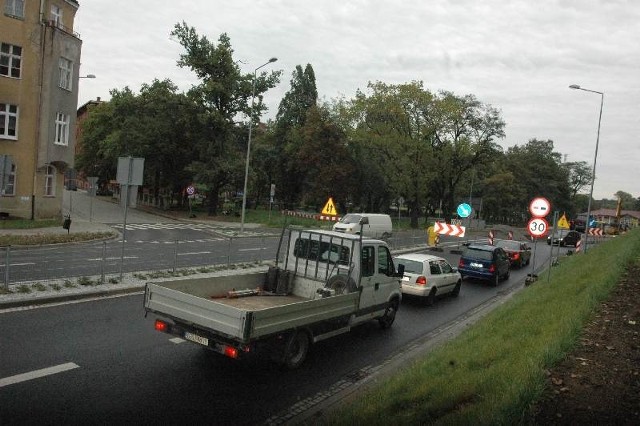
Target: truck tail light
x=231, y=352
x=422, y=280
x=161, y=326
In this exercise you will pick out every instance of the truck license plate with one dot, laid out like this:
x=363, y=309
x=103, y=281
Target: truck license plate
x=195, y=338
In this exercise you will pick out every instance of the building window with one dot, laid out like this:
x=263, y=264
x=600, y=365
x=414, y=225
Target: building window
x=66, y=71
x=50, y=181
x=8, y=121
x=56, y=16
x=10, y=184
x=10, y=60
x=62, y=129
x=14, y=8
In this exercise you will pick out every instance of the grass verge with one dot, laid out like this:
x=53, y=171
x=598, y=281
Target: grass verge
x=495, y=370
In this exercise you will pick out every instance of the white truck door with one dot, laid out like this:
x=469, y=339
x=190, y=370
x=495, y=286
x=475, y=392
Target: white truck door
x=377, y=278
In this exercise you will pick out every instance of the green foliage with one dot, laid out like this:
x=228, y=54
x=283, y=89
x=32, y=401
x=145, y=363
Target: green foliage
x=86, y=281
x=495, y=369
x=39, y=287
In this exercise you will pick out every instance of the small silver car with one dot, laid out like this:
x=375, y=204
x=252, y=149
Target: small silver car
x=427, y=276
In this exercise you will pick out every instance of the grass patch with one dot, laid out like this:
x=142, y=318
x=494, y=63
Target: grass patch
x=24, y=289
x=39, y=287
x=56, y=287
x=44, y=238
x=29, y=224
x=494, y=371
x=86, y=281
x=69, y=284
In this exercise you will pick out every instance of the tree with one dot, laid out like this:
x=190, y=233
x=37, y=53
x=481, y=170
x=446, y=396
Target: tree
x=579, y=176
x=464, y=140
x=390, y=136
x=223, y=94
x=287, y=139
x=626, y=200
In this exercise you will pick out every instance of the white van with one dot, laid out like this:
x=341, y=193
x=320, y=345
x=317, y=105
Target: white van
x=376, y=225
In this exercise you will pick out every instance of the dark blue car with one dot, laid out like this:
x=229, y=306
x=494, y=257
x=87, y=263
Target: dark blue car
x=484, y=262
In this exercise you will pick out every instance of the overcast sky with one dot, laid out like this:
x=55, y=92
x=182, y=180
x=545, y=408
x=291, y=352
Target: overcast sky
x=518, y=56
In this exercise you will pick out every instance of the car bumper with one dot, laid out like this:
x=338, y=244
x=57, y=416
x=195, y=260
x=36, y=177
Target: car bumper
x=412, y=290
x=474, y=273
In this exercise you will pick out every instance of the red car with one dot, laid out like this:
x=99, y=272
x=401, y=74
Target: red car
x=519, y=252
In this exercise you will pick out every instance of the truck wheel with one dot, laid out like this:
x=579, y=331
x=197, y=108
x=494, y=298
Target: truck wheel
x=389, y=316
x=341, y=284
x=296, y=350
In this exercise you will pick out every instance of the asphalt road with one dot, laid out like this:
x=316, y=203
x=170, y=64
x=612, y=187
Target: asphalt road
x=108, y=365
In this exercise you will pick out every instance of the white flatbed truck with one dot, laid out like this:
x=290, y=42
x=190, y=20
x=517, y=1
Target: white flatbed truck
x=328, y=282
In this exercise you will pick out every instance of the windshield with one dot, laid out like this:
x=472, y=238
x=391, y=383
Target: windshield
x=410, y=266
x=351, y=218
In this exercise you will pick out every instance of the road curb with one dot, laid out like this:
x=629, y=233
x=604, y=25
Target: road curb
x=47, y=300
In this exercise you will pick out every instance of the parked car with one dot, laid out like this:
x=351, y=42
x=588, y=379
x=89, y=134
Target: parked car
x=427, y=276
x=519, y=252
x=485, y=262
x=564, y=237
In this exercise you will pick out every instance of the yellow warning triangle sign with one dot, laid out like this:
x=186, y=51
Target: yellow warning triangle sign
x=562, y=223
x=329, y=208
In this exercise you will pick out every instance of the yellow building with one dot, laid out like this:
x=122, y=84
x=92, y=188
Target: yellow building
x=39, y=71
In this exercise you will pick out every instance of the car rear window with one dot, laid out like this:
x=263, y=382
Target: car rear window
x=410, y=266
x=511, y=245
x=478, y=254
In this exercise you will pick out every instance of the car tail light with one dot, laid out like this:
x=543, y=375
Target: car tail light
x=460, y=264
x=422, y=280
x=492, y=268
x=516, y=256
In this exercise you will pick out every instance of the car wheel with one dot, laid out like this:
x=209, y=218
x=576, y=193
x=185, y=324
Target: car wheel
x=495, y=280
x=506, y=276
x=389, y=316
x=431, y=298
x=296, y=350
x=456, y=289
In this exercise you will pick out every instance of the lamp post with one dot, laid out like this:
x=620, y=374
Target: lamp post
x=595, y=158
x=246, y=167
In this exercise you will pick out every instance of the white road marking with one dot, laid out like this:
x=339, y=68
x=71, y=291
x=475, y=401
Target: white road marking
x=36, y=374
x=253, y=249
x=195, y=252
x=98, y=259
x=177, y=340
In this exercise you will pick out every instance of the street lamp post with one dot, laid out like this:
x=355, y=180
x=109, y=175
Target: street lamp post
x=246, y=166
x=595, y=158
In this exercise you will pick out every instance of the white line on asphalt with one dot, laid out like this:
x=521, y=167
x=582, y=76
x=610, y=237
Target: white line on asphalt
x=36, y=374
x=253, y=249
x=195, y=252
x=177, y=340
x=22, y=264
x=97, y=259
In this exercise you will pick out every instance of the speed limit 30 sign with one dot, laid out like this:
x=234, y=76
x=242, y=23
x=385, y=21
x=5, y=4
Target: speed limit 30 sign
x=538, y=227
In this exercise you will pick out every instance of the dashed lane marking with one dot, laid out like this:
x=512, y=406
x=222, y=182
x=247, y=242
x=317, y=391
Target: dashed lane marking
x=36, y=374
x=177, y=340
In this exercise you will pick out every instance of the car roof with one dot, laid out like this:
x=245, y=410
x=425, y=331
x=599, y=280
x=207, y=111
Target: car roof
x=484, y=247
x=418, y=257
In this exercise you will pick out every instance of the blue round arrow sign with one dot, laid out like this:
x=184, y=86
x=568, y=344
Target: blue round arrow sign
x=464, y=210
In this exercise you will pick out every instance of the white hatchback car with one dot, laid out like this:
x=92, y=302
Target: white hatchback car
x=427, y=276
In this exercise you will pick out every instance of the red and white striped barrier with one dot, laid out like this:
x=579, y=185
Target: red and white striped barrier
x=491, y=235
x=510, y=235
x=579, y=246
x=595, y=231
x=311, y=215
x=446, y=229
